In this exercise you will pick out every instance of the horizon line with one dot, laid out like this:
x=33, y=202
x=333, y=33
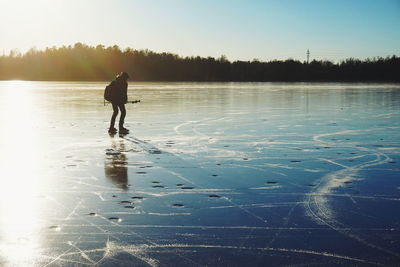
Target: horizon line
x=18, y=52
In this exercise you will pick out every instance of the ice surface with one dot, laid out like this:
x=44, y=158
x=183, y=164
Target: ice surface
x=212, y=174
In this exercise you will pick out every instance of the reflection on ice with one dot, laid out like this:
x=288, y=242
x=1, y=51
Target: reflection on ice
x=115, y=167
x=211, y=174
x=20, y=184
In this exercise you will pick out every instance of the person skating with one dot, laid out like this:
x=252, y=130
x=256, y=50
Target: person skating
x=120, y=98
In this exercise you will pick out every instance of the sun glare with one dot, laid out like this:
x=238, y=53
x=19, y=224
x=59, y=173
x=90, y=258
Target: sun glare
x=20, y=183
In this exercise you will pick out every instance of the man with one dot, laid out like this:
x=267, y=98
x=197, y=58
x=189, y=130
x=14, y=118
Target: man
x=120, y=98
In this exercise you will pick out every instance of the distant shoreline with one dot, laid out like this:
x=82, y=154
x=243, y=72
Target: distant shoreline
x=87, y=63
x=214, y=82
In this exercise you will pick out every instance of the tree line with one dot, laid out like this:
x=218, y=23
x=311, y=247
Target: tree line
x=81, y=62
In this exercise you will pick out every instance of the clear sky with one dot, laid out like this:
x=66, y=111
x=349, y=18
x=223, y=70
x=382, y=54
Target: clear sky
x=239, y=29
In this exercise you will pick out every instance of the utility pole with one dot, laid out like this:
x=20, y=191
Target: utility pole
x=308, y=56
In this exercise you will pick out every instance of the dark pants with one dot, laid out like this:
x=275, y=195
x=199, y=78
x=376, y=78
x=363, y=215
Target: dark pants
x=115, y=113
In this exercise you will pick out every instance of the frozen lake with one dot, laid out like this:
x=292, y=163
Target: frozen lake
x=212, y=174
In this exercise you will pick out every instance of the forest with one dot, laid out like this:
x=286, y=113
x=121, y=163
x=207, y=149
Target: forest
x=81, y=62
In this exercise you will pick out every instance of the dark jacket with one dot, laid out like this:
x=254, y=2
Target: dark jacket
x=121, y=91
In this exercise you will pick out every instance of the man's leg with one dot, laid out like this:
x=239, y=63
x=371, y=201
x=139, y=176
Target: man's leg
x=122, y=117
x=114, y=115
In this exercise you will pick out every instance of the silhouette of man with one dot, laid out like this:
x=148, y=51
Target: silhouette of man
x=120, y=98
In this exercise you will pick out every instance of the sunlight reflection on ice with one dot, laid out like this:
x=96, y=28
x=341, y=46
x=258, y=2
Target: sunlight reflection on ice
x=19, y=183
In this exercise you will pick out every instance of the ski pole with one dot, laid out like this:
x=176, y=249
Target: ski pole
x=128, y=102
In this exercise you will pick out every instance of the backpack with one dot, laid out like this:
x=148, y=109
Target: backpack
x=109, y=92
